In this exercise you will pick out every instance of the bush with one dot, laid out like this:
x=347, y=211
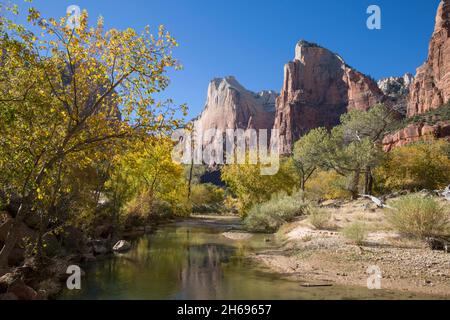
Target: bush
x=271, y=215
x=319, y=218
x=356, y=232
x=418, y=216
x=423, y=165
x=207, y=198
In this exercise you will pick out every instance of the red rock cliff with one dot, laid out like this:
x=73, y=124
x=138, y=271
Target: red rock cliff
x=431, y=87
x=318, y=88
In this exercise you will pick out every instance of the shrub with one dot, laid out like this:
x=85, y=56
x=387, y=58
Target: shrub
x=207, y=198
x=423, y=165
x=418, y=216
x=356, y=232
x=319, y=218
x=271, y=215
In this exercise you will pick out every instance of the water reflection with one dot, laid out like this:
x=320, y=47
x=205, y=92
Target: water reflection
x=191, y=262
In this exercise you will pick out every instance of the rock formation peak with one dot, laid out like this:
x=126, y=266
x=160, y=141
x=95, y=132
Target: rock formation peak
x=231, y=106
x=318, y=88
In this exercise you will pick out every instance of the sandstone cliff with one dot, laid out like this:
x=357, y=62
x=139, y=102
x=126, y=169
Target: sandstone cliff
x=431, y=88
x=416, y=132
x=318, y=88
x=230, y=106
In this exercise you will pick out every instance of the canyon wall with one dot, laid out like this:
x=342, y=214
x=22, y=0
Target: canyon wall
x=318, y=88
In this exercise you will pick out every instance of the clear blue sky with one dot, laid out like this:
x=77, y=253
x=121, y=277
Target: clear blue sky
x=253, y=39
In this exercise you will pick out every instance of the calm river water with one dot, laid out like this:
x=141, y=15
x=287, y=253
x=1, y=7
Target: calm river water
x=193, y=260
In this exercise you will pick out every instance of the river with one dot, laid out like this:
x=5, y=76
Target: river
x=192, y=259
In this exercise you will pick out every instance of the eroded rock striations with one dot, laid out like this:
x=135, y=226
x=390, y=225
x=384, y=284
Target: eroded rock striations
x=230, y=106
x=415, y=133
x=318, y=88
x=431, y=88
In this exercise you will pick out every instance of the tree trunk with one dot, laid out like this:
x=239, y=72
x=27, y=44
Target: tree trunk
x=354, y=187
x=40, y=242
x=11, y=238
x=190, y=178
x=368, y=181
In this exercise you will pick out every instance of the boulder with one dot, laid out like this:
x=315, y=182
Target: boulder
x=438, y=243
x=446, y=193
x=22, y=291
x=48, y=289
x=74, y=240
x=8, y=296
x=122, y=246
x=99, y=247
x=7, y=280
x=16, y=257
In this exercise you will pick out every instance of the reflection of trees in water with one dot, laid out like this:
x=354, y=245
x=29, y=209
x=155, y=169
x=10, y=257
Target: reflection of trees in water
x=201, y=277
x=171, y=263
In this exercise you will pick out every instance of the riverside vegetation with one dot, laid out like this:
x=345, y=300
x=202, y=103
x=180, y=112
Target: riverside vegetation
x=85, y=160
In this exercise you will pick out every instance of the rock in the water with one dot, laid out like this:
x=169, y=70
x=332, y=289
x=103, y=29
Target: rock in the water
x=318, y=88
x=122, y=246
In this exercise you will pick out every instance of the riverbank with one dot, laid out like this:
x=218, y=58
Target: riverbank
x=327, y=257
x=31, y=280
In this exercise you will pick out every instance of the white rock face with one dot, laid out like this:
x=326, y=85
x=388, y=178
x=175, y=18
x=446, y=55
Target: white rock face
x=230, y=106
x=397, y=90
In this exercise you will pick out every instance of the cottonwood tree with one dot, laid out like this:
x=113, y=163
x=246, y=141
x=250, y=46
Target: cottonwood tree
x=67, y=94
x=306, y=156
x=351, y=149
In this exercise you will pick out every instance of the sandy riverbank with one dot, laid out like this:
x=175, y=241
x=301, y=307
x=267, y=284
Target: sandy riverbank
x=326, y=257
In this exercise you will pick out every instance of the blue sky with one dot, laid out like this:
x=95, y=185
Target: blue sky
x=252, y=39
